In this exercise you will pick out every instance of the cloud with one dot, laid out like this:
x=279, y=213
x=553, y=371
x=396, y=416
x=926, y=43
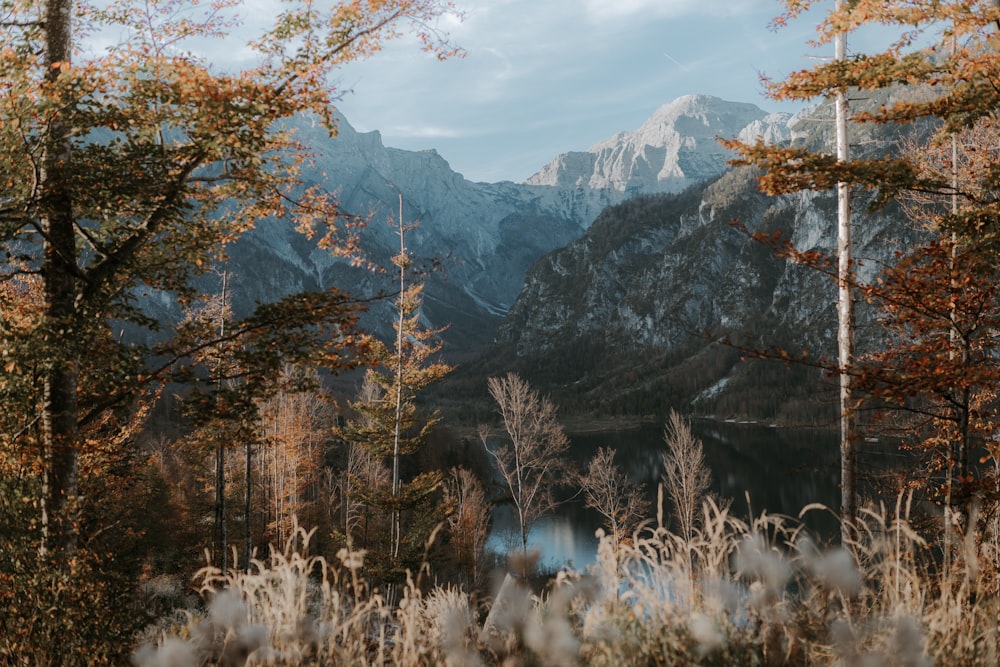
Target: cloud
x=602, y=10
x=411, y=131
x=546, y=76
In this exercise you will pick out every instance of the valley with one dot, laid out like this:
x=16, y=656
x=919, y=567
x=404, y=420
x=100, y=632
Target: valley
x=627, y=250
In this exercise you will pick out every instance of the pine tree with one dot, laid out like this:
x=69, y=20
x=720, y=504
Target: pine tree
x=389, y=425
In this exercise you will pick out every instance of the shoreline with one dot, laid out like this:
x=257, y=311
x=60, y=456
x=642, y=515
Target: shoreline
x=588, y=425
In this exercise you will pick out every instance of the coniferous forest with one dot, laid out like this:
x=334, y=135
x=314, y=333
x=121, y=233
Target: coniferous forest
x=286, y=486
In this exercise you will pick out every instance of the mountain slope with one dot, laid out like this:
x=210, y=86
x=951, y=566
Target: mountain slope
x=484, y=235
x=631, y=317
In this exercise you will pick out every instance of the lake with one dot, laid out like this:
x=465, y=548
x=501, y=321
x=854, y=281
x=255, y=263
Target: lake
x=782, y=470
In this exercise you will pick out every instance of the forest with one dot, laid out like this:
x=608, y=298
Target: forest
x=202, y=492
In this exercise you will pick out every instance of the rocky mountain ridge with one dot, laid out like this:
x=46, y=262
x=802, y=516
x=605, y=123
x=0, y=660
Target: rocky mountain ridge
x=676, y=148
x=649, y=308
x=485, y=235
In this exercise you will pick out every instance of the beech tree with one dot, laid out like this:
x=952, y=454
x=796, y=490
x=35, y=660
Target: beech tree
x=127, y=169
x=955, y=82
x=937, y=370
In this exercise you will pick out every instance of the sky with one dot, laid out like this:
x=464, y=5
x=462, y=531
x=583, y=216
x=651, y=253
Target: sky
x=543, y=77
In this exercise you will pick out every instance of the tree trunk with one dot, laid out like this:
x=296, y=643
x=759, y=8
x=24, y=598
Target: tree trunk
x=396, y=530
x=845, y=316
x=248, y=525
x=220, y=449
x=958, y=341
x=59, y=265
x=220, y=507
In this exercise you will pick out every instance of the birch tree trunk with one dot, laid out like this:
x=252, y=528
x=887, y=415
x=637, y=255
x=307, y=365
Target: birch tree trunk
x=220, y=448
x=845, y=313
x=396, y=519
x=247, y=509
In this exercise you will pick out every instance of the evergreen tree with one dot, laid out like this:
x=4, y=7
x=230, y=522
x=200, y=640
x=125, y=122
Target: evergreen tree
x=389, y=424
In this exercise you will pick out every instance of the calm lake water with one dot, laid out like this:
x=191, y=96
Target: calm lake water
x=782, y=470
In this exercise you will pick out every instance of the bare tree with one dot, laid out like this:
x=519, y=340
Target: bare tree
x=609, y=491
x=294, y=424
x=215, y=315
x=365, y=469
x=531, y=462
x=685, y=474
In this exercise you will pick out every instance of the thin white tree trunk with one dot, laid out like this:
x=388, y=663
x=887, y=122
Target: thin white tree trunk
x=247, y=523
x=220, y=449
x=396, y=523
x=845, y=313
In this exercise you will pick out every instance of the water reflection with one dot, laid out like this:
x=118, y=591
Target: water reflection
x=781, y=470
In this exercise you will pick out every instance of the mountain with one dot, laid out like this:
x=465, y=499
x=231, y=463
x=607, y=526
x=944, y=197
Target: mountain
x=640, y=314
x=485, y=236
x=674, y=149
x=610, y=278
x=482, y=236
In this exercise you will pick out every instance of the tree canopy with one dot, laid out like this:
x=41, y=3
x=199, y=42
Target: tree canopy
x=941, y=73
x=128, y=161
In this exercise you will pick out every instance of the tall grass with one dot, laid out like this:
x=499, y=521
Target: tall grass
x=757, y=592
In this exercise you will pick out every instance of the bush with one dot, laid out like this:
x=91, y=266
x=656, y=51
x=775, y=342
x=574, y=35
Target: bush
x=79, y=611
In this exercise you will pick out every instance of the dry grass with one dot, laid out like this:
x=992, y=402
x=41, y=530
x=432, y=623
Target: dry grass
x=736, y=593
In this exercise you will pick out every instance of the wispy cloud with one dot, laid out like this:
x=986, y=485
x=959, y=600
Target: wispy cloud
x=602, y=10
x=425, y=132
x=543, y=77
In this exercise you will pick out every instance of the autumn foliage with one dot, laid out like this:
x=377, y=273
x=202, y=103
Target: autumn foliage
x=128, y=163
x=932, y=375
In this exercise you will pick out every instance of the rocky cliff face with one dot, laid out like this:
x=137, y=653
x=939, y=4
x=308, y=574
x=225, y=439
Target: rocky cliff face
x=485, y=235
x=674, y=149
x=625, y=308
x=630, y=317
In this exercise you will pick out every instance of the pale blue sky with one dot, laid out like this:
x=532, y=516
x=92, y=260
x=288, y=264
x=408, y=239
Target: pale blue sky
x=544, y=77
